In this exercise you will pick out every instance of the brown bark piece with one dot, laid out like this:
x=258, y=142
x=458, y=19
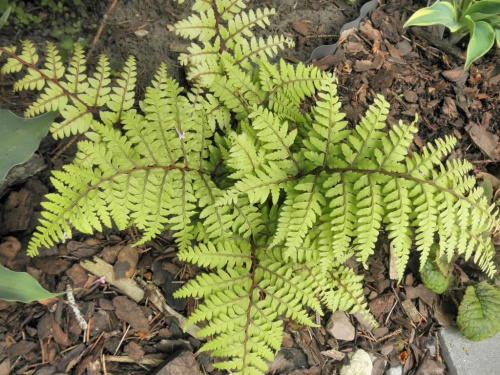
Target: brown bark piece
x=78, y=275
x=10, y=248
x=126, y=262
x=128, y=311
x=183, y=363
x=17, y=211
x=134, y=350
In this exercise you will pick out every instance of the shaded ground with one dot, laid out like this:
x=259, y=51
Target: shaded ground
x=129, y=337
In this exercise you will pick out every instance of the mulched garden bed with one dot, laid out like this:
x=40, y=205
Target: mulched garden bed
x=130, y=329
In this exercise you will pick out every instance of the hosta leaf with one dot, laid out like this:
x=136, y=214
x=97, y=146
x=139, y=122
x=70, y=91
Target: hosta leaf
x=484, y=7
x=481, y=40
x=479, y=311
x=437, y=14
x=21, y=287
x=21, y=138
x=4, y=17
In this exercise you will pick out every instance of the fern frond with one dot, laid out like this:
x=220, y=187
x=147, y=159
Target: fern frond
x=122, y=96
x=200, y=27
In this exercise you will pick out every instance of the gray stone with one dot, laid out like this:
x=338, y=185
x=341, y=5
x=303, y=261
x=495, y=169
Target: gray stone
x=22, y=172
x=464, y=357
x=340, y=327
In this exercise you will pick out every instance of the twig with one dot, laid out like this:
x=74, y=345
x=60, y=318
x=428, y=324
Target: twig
x=123, y=338
x=126, y=359
x=101, y=27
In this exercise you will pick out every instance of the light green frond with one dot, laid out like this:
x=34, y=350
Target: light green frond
x=276, y=138
x=200, y=27
x=327, y=128
x=97, y=93
x=122, y=95
x=240, y=26
x=268, y=181
x=54, y=67
x=248, y=51
x=76, y=77
x=366, y=137
x=299, y=214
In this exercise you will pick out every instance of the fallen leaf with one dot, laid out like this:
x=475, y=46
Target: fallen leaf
x=128, y=311
x=303, y=28
x=485, y=140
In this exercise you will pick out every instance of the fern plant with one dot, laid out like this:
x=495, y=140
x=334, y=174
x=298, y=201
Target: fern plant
x=258, y=175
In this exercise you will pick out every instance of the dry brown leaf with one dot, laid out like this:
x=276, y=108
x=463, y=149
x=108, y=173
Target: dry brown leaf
x=128, y=311
x=485, y=140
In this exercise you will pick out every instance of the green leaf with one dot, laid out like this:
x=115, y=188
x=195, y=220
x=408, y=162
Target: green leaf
x=21, y=287
x=484, y=7
x=437, y=14
x=482, y=37
x=432, y=276
x=478, y=313
x=497, y=33
x=4, y=17
x=21, y=138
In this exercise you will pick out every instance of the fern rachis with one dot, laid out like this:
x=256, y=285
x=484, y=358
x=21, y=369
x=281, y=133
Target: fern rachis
x=270, y=199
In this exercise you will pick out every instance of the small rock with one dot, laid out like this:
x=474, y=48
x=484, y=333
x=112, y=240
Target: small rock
x=410, y=96
x=361, y=364
x=340, y=327
x=22, y=172
x=398, y=370
x=141, y=33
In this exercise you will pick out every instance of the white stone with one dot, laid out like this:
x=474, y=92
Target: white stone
x=361, y=364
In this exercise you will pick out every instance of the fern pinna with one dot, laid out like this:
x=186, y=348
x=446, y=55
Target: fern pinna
x=270, y=198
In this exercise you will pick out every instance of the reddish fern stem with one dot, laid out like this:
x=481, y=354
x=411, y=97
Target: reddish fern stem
x=46, y=77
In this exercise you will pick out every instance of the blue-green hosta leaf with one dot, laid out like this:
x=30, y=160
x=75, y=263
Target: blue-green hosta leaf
x=21, y=287
x=478, y=313
x=482, y=37
x=437, y=14
x=490, y=7
x=20, y=138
